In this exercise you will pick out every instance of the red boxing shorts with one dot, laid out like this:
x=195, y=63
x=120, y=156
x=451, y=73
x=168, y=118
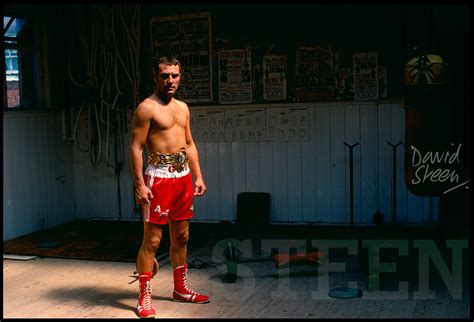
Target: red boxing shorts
x=173, y=194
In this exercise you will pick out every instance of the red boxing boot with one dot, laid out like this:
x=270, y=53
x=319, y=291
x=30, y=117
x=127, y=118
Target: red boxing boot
x=144, y=307
x=181, y=291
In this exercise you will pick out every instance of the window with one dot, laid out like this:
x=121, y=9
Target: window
x=20, y=71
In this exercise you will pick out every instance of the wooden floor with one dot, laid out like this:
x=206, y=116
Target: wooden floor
x=70, y=288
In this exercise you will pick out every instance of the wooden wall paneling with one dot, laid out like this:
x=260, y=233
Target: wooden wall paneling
x=252, y=166
x=79, y=161
x=102, y=198
x=323, y=163
x=309, y=173
x=44, y=164
x=60, y=169
x=54, y=149
x=280, y=182
x=104, y=189
x=239, y=183
x=226, y=203
x=52, y=184
x=295, y=192
x=33, y=153
x=212, y=181
x=384, y=160
x=109, y=187
x=86, y=186
x=22, y=207
x=339, y=166
x=126, y=184
x=34, y=170
x=200, y=202
x=8, y=180
x=352, y=136
x=368, y=162
x=26, y=161
x=415, y=208
x=398, y=135
x=267, y=172
x=92, y=206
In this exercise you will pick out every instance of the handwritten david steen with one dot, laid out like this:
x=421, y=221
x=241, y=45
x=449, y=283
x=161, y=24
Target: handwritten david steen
x=435, y=167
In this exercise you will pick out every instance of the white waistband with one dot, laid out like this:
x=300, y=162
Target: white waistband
x=165, y=171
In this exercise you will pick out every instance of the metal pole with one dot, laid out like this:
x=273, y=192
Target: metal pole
x=351, y=180
x=394, y=181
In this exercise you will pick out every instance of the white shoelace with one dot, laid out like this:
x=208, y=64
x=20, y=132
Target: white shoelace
x=146, y=297
x=185, y=284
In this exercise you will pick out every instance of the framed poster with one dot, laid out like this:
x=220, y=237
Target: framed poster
x=235, y=78
x=274, y=77
x=315, y=74
x=366, y=76
x=188, y=38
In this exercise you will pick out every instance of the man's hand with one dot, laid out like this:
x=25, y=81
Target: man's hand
x=199, y=187
x=143, y=195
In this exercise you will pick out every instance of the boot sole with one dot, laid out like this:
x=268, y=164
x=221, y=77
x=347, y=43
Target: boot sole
x=184, y=301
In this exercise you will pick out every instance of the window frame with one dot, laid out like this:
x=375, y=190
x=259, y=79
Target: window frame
x=36, y=50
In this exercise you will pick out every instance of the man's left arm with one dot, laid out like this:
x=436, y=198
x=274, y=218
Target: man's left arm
x=194, y=166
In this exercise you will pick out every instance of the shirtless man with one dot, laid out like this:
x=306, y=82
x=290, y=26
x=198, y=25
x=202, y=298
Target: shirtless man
x=165, y=191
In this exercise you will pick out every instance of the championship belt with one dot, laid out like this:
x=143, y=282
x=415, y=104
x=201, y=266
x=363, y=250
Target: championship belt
x=177, y=160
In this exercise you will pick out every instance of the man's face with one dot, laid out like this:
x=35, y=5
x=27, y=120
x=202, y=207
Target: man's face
x=167, y=79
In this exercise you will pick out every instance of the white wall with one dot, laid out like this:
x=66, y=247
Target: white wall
x=308, y=181
x=38, y=176
x=96, y=189
x=48, y=181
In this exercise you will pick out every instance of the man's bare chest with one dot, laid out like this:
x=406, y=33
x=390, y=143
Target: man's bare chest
x=164, y=119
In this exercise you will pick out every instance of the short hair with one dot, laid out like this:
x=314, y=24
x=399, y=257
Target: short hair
x=167, y=60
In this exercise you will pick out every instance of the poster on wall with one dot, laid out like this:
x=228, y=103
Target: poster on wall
x=315, y=78
x=245, y=125
x=188, y=38
x=207, y=125
x=345, y=85
x=274, y=77
x=235, y=78
x=383, y=92
x=365, y=76
x=287, y=124
x=250, y=124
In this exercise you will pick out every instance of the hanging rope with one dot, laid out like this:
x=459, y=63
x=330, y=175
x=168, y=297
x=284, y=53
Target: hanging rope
x=88, y=41
x=109, y=46
x=132, y=61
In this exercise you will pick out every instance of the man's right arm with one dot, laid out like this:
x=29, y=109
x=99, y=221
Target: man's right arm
x=140, y=126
